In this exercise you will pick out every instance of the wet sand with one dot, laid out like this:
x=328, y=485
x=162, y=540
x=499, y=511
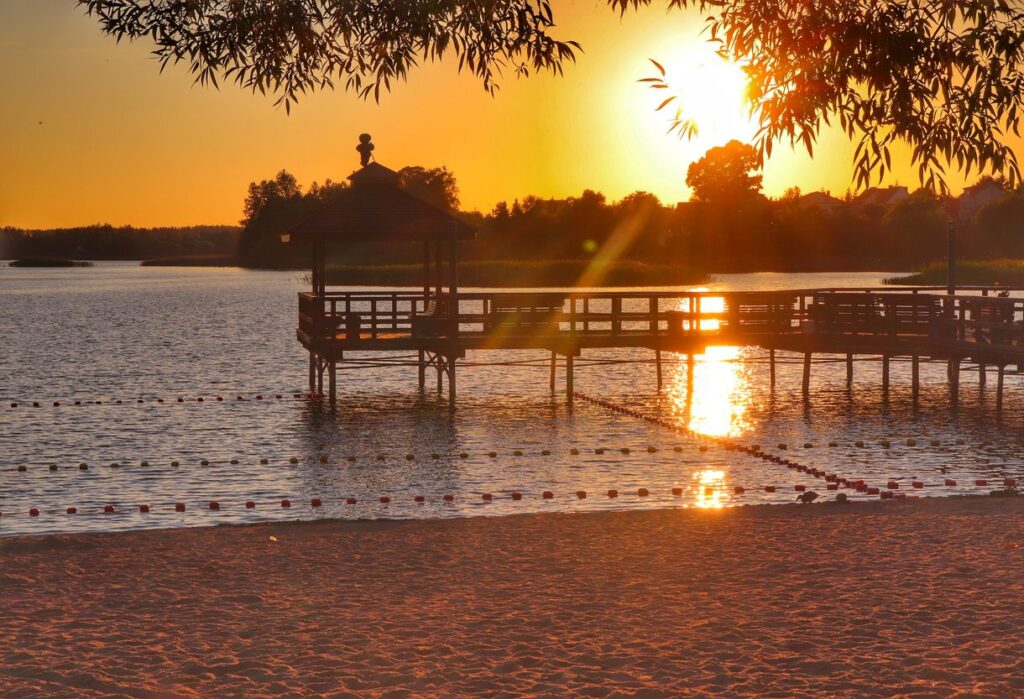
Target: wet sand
x=916, y=598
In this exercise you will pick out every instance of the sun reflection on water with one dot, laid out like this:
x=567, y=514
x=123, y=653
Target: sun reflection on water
x=712, y=395
x=710, y=486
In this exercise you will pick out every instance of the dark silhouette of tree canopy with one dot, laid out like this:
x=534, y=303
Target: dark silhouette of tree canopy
x=944, y=76
x=725, y=174
x=435, y=186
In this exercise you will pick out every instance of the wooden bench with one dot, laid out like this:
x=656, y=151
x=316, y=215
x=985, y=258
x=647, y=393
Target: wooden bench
x=760, y=313
x=992, y=321
x=433, y=321
x=846, y=313
x=530, y=313
x=913, y=314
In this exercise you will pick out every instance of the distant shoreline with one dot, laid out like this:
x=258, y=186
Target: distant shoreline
x=968, y=272
x=44, y=262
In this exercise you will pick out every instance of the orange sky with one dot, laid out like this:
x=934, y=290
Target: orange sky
x=93, y=133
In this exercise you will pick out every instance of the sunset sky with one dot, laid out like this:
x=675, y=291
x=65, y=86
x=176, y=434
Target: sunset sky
x=93, y=133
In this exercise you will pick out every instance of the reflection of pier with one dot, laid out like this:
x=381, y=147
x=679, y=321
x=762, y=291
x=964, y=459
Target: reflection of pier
x=918, y=323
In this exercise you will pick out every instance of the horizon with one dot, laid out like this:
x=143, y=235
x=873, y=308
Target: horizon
x=160, y=151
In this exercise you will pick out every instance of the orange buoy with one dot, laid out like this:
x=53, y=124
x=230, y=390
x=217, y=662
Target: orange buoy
x=873, y=491
x=547, y=495
x=56, y=404
x=517, y=452
x=250, y=505
x=574, y=451
x=887, y=494
x=108, y=508
x=143, y=508
x=179, y=507
x=581, y=494
x=204, y=462
x=199, y=399
x=22, y=468
x=801, y=488
x=677, y=491
x=419, y=498
x=33, y=512
x=259, y=397
x=293, y=461
x=613, y=493
x=892, y=485
x=739, y=490
x=545, y=452
x=832, y=486
x=486, y=496
x=286, y=503
x=72, y=510
x=449, y=497
x=708, y=491
x=918, y=484
x=643, y=492
x=220, y=398
x=1010, y=482
x=950, y=482
x=214, y=505
x=492, y=454
x=315, y=502
x=264, y=461
x=981, y=481
x=769, y=489
x=410, y=457
x=180, y=400
x=517, y=496
x=234, y=462
x=385, y=499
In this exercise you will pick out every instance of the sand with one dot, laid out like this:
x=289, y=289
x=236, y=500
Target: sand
x=922, y=598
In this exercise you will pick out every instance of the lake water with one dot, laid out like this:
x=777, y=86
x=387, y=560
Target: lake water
x=118, y=331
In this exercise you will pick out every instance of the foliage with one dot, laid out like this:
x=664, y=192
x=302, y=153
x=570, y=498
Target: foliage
x=944, y=76
x=968, y=272
x=435, y=186
x=105, y=242
x=290, y=47
x=725, y=174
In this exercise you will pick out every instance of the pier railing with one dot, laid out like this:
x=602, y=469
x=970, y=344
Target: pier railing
x=975, y=315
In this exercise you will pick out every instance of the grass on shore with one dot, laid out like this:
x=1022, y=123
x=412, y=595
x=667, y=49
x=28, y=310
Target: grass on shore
x=193, y=261
x=968, y=272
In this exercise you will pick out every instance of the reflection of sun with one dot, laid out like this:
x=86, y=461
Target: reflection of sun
x=716, y=402
x=710, y=486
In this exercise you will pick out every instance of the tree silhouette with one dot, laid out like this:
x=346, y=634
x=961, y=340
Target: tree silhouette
x=435, y=186
x=725, y=174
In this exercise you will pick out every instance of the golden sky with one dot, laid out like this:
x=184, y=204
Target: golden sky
x=91, y=132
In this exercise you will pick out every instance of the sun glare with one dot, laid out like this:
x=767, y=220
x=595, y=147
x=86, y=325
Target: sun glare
x=712, y=93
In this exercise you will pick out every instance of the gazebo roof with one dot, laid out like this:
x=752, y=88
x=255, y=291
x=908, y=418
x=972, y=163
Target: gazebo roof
x=376, y=209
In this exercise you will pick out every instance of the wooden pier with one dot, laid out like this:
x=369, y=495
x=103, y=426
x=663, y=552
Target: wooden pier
x=981, y=325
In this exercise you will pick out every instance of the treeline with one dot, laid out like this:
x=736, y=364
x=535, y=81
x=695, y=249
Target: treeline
x=106, y=242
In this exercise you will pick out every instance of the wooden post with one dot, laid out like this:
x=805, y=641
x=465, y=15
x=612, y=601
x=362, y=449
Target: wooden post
x=982, y=374
x=915, y=376
x=849, y=370
x=657, y=362
x=551, y=379
x=422, y=366
x=332, y=382
x=807, y=373
x=568, y=373
x=689, y=373
x=771, y=366
x=440, y=372
x=312, y=372
x=885, y=373
x=451, y=380
x=999, y=386
x=954, y=381
x=319, y=376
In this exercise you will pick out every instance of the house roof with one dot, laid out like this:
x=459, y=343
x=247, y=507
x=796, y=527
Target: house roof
x=376, y=209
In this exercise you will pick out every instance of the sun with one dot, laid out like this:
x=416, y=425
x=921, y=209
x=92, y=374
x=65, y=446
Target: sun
x=710, y=92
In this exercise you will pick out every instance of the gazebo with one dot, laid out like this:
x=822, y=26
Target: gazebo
x=376, y=209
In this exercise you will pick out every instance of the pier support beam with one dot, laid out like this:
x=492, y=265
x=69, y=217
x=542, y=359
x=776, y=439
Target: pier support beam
x=312, y=372
x=954, y=381
x=554, y=365
x=999, y=386
x=569, y=389
x=807, y=373
x=451, y=380
x=885, y=373
x=771, y=367
x=982, y=374
x=657, y=362
x=849, y=370
x=915, y=377
x=689, y=373
x=422, y=369
x=332, y=382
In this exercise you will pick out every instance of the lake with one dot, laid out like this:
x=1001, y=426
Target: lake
x=121, y=332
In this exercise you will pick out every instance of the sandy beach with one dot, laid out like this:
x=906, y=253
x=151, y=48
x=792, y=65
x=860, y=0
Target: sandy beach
x=917, y=598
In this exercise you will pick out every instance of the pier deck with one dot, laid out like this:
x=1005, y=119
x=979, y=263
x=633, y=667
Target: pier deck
x=981, y=324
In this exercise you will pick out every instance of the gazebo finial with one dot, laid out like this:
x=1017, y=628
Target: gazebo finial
x=365, y=149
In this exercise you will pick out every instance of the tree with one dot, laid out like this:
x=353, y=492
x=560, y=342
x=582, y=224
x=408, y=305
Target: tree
x=435, y=186
x=283, y=187
x=725, y=174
